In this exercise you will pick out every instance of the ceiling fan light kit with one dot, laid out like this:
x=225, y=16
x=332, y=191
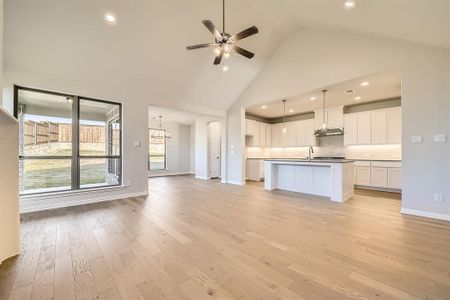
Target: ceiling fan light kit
x=224, y=43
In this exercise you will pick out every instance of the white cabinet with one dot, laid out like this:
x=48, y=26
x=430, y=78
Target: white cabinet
x=363, y=176
x=310, y=138
x=364, y=130
x=301, y=133
x=379, y=177
x=379, y=127
x=351, y=129
x=254, y=169
x=334, y=116
x=262, y=134
x=249, y=127
x=395, y=125
x=268, y=135
x=395, y=178
x=291, y=134
x=276, y=135
x=379, y=174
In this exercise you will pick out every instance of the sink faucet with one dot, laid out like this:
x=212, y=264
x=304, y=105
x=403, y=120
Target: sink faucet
x=311, y=151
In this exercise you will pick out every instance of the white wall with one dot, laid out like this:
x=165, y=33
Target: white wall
x=312, y=59
x=135, y=124
x=178, y=148
x=9, y=175
x=201, y=149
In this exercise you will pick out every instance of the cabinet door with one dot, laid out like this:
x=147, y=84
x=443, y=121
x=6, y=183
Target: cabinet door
x=291, y=132
x=395, y=126
x=318, y=114
x=335, y=117
x=300, y=134
x=248, y=126
x=351, y=129
x=364, y=131
x=363, y=176
x=379, y=127
x=262, y=135
x=395, y=178
x=379, y=177
x=268, y=135
x=283, y=136
x=276, y=136
x=310, y=138
x=255, y=134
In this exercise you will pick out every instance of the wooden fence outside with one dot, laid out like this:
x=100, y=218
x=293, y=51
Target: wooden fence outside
x=37, y=133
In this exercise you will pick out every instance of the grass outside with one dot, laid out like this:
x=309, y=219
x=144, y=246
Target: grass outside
x=56, y=173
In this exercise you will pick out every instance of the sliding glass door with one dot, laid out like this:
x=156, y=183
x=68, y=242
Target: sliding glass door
x=67, y=142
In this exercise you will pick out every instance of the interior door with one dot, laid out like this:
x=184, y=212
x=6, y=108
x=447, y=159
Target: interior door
x=214, y=149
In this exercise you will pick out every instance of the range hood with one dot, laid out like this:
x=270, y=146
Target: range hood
x=325, y=131
x=329, y=132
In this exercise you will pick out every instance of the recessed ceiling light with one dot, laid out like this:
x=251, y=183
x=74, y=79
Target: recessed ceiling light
x=110, y=19
x=225, y=68
x=365, y=83
x=264, y=106
x=291, y=110
x=312, y=98
x=357, y=98
x=349, y=4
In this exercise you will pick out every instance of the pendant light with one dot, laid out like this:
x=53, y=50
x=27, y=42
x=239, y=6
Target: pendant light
x=161, y=133
x=284, y=116
x=324, y=123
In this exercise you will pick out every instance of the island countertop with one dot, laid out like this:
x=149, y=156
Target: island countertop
x=326, y=161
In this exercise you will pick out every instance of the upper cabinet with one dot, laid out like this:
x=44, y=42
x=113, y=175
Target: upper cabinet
x=334, y=116
x=377, y=127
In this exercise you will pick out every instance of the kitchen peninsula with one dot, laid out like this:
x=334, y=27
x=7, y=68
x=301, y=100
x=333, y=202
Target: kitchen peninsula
x=328, y=178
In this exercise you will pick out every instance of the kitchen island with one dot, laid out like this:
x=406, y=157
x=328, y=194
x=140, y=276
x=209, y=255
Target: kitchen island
x=328, y=178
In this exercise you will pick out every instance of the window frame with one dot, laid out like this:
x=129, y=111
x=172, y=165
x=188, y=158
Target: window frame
x=165, y=152
x=75, y=157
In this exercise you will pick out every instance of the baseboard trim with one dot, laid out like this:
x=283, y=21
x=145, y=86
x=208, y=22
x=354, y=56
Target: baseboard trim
x=425, y=214
x=168, y=174
x=201, y=177
x=33, y=206
x=364, y=187
x=235, y=182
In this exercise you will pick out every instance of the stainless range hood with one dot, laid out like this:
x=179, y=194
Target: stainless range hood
x=325, y=131
x=329, y=132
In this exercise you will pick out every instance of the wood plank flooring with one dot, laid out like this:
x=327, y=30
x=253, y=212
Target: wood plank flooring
x=194, y=239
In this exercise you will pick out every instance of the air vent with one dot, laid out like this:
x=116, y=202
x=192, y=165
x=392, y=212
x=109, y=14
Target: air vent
x=350, y=91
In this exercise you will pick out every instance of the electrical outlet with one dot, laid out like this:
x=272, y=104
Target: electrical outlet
x=416, y=139
x=129, y=182
x=440, y=138
x=438, y=198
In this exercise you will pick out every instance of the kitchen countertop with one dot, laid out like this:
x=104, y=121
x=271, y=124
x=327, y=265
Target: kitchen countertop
x=339, y=161
x=305, y=159
x=376, y=159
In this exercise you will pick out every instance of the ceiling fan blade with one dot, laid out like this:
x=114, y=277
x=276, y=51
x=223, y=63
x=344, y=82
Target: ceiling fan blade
x=211, y=27
x=245, y=33
x=218, y=58
x=243, y=52
x=201, y=46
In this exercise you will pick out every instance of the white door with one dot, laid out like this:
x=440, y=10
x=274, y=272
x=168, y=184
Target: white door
x=363, y=176
x=262, y=135
x=395, y=178
x=310, y=138
x=379, y=177
x=268, y=135
x=301, y=134
x=214, y=149
x=379, y=127
x=335, y=117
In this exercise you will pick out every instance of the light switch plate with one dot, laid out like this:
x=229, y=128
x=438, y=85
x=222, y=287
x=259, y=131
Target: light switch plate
x=440, y=138
x=137, y=144
x=438, y=197
x=416, y=139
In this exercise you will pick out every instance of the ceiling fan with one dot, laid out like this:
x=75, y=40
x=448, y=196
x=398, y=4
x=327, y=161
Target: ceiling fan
x=224, y=42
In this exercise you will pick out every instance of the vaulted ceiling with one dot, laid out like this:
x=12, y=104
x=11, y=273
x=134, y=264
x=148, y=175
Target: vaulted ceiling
x=143, y=56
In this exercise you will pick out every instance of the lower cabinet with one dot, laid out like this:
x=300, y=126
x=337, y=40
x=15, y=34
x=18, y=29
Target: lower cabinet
x=254, y=169
x=378, y=174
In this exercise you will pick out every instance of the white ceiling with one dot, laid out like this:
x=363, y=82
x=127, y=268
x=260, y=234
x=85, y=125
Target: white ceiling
x=171, y=115
x=384, y=85
x=143, y=56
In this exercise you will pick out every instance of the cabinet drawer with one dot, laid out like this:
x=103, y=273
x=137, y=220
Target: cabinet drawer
x=362, y=163
x=386, y=164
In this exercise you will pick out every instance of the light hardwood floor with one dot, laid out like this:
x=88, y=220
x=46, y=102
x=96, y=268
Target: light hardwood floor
x=194, y=239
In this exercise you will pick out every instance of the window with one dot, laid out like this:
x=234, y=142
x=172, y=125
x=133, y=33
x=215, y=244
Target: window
x=67, y=142
x=157, y=149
